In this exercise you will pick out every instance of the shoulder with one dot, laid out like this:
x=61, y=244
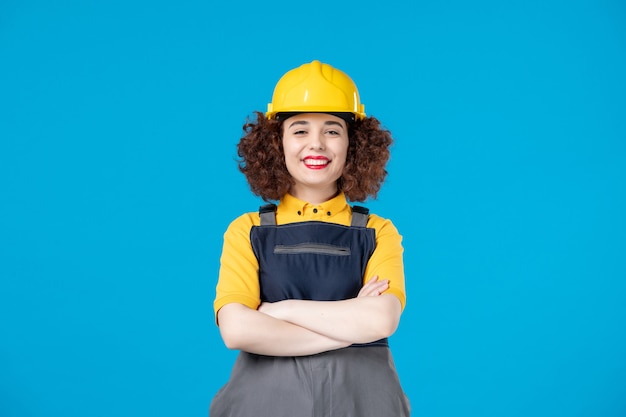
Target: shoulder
x=380, y=223
x=244, y=222
x=386, y=231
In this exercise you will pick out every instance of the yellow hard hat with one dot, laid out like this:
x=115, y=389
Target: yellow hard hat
x=315, y=88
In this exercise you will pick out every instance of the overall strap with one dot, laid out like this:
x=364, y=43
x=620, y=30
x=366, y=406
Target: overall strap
x=359, y=216
x=268, y=215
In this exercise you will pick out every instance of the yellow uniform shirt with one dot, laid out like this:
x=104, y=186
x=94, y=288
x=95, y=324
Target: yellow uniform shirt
x=239, y=269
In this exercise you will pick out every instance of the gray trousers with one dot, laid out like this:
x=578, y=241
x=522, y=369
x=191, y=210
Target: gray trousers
x=350, y=382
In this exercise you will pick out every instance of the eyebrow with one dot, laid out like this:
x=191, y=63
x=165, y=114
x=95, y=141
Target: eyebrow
x=327, y=123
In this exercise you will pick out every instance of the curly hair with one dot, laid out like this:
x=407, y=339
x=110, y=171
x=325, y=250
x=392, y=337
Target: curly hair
x=262, y=159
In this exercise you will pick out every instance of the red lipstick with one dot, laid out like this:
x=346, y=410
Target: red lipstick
x=316, y=162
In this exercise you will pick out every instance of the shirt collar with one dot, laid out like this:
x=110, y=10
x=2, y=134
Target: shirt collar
x=292, y=206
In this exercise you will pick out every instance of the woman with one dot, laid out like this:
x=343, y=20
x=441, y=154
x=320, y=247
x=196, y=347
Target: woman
x=309, y=290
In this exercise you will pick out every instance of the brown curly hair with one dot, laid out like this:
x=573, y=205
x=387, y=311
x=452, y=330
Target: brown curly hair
x=263, y=162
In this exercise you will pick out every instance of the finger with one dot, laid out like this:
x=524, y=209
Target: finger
x=377, y=284
x=374, y=288
x=372, y=282
x=372, y=279
x=367, y=291
x=367, y=287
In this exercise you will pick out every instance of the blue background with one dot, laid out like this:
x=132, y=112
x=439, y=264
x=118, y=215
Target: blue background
x=118, y=126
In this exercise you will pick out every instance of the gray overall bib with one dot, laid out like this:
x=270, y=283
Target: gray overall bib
x=324, y=262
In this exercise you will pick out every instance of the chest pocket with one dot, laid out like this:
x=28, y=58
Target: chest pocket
x=317, y=248
x=311, y=260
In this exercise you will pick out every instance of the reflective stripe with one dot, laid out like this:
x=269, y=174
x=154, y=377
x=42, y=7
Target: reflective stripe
x=317, y=248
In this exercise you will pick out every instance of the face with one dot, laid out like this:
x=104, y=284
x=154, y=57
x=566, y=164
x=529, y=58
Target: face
x=315, y=146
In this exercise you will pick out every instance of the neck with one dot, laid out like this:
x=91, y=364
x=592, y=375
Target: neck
x=314, y=196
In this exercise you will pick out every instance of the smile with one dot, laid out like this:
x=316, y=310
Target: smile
x=318, y=162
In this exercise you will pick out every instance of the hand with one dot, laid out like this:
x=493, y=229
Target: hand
x=271, y=309
x=374, y=287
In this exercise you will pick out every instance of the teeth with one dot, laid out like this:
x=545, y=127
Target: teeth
x=316, y=161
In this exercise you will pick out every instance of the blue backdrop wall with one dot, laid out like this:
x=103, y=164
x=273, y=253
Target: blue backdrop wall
x=118, y=126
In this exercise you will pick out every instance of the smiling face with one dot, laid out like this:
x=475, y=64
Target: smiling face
x=315, y=146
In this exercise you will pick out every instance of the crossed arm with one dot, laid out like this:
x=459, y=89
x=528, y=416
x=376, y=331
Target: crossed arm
x=302, y=327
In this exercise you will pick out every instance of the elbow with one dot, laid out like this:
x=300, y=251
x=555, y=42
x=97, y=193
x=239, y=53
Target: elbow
x=385, y=328
x=231, y=325
x=234, y=336
x=391, y=327
x=230, y=339
x=388, y=316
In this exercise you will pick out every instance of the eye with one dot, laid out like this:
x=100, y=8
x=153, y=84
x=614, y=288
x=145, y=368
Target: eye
x=333, y=132
x=299, y=132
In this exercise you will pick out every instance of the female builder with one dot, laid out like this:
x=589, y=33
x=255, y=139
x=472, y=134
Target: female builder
x=309, y=290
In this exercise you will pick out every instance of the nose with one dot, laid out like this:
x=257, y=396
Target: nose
x=318, y=142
